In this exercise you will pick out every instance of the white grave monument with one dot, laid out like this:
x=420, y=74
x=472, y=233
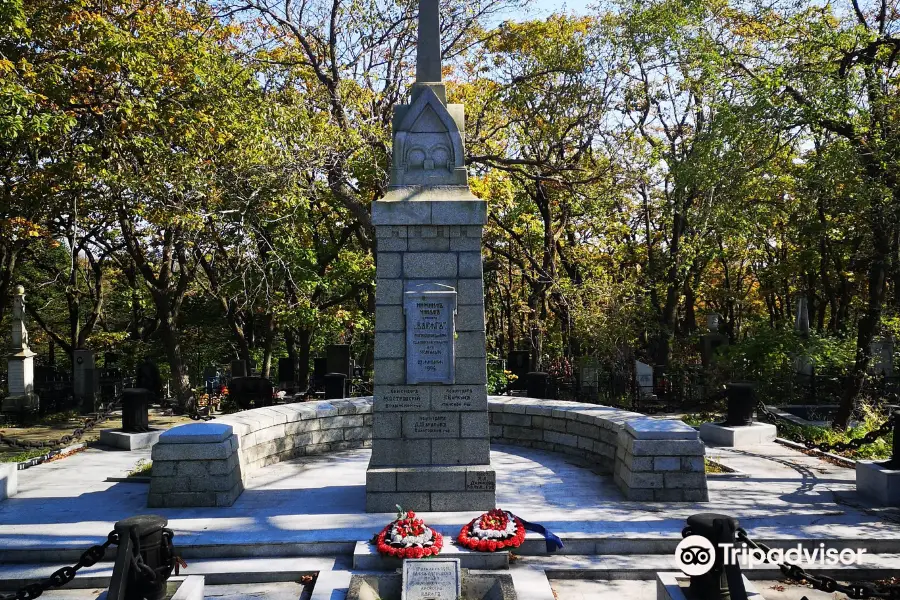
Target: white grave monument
x=21, y=361
x=431, y=444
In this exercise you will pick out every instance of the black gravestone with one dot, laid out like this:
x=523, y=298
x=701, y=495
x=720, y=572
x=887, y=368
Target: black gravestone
x=338, y=359
x=135, y=409
x=335, y=386
x=320, y=369
x=286, y=370
x=519, y=364
x=148, y=378
x=238, y=368
x=255, y=390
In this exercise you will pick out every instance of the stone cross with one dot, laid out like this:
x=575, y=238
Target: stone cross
x=428, y=50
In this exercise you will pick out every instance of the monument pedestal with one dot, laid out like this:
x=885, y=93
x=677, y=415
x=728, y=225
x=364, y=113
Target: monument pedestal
x=431, y=438
x=878, y=481
x=21, y=384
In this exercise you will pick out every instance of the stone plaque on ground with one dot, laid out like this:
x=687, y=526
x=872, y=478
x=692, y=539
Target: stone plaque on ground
x=431, y=579
x=430, y=325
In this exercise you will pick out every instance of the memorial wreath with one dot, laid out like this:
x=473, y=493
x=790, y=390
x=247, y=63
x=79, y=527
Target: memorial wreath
x=494, y=530
x=408, y=536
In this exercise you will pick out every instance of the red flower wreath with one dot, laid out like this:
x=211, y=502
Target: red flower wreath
x=407, y=526
x=496, y=520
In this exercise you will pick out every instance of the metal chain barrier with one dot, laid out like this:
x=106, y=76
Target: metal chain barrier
x=77, y=434
x=853, y=444
x=797, y=573
x=62, y=576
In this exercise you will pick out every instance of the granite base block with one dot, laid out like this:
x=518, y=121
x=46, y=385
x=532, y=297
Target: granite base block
x=879, y=482
x=9, y=480
x=674, y=586
x=367, y=558
x=127, y=440
x=738, y=437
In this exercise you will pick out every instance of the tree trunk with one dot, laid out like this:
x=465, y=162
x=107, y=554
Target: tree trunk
x=172, y=346
x=870, y=321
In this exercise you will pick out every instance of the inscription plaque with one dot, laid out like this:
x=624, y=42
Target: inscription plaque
x=431, y=579
x=431, y=425
x=459, y=397
x=401, y=398
x=481, y=481
x=430, y=329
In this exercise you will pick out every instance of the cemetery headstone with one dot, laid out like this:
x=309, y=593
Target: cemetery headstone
x=239, y=368
x=712, y=341
x=431, y=579
x=643, y=375
x=20, y=381
x=519, y=364
x=83, y=360
x=588, y=377
x=430, y=447
x=320, y=370
x=883, y=356
x=337, y=357
x=149, y=378
x=286, y=370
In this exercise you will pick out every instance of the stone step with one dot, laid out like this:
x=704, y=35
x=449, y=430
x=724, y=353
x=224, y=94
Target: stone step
x=334, y=574
x=638, y=566
x=216, y=571
x=610, y=543
x=367, y=558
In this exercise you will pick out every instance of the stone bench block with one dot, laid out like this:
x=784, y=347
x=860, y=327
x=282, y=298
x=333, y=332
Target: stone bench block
x=9, y=480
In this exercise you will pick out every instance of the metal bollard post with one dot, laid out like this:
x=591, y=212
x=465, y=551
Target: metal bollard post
x=335, y=386
x=741, y=402
x=145, y=559
x=721, y=582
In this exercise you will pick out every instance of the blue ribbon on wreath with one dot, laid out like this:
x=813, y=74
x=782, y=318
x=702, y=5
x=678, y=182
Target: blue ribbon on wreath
x=553, y=541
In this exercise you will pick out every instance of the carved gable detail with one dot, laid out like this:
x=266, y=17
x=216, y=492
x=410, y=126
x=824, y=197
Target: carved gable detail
x=428, y=148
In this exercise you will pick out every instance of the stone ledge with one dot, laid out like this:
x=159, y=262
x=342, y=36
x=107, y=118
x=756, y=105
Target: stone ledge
x=602, y=435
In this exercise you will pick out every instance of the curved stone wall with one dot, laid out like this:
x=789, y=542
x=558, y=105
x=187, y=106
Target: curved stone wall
x=206, y=463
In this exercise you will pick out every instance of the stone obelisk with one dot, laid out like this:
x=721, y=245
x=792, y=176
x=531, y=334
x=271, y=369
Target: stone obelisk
x=21, y=362
x=431, y=444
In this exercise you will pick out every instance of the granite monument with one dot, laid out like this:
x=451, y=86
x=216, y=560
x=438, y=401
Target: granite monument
x=430, y=447
x=21, y=362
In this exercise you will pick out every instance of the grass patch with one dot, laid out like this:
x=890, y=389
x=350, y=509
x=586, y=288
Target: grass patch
x=698, y=419
x=871, y=420
x=712, y=466
x=141, y=469
x=23, y=456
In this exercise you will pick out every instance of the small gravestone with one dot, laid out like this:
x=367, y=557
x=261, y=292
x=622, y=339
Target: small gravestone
x=431, y=579
x=643, y=374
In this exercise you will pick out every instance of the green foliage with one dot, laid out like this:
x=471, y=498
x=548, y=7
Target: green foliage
x=23, y=456
x=871, y=419
x=142, y=468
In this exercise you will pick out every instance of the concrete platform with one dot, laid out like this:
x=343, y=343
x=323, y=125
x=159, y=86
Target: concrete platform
x=315, y=507
x=878, y=482
x=738, y=437
x=367, y=558
x=125, y=440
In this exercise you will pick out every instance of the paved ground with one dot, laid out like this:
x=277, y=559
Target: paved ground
x=787, y=495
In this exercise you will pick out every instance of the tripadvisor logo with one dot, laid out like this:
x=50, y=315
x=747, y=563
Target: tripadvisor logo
x=695, y=555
